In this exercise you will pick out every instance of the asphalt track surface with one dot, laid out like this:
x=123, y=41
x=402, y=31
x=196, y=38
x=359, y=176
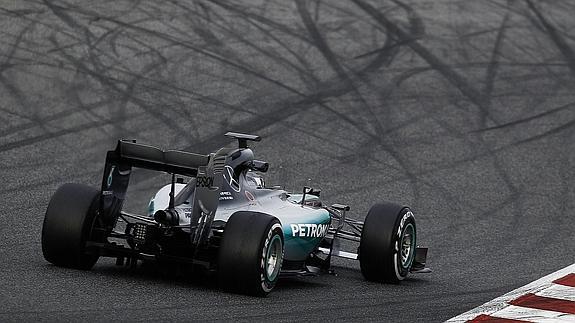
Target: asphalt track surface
x=464, y=110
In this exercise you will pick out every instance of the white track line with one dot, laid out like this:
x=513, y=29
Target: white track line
x=532, y=315
x=558, y=291
x=501, y=302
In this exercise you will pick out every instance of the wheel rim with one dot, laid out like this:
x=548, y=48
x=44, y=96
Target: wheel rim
x=407, y=246
x=273, y=257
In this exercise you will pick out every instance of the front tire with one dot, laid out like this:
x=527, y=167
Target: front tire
x=251, y=253
x=388, y=243
x=68, y=225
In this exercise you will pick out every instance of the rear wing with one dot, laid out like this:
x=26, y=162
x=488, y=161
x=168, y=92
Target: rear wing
x=128, y=154
x=207, y=171
x=150, y=157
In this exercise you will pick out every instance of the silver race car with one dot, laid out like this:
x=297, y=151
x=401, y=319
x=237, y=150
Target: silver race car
x=217, y=214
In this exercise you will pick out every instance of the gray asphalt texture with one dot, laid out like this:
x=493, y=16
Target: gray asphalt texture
x=464, y=110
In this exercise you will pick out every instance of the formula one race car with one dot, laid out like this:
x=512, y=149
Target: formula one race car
x=225, y=220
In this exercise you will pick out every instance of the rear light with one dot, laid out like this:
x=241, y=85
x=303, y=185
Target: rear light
x=140, y=233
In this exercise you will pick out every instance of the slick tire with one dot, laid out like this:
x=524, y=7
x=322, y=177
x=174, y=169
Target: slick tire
x=251, y=253
x=388, y=242
x=67, y=226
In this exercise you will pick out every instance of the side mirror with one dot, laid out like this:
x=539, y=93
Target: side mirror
x=259, y=166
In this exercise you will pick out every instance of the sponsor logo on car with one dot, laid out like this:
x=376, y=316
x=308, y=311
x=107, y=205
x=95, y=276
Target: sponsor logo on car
x=110, y=177
x=309, y=230
x=249, y=196
x=229, y=177
x=225, y=195
x=187, y=211
x=204, y=181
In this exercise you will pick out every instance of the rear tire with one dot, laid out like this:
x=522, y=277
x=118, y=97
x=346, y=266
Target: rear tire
x=68, y=225
x=251, y=253
x=388, y=242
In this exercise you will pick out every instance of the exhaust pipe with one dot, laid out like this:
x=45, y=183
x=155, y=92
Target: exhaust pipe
x=167, y=217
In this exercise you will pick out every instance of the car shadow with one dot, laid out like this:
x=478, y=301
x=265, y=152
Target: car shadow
x=178, y=275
